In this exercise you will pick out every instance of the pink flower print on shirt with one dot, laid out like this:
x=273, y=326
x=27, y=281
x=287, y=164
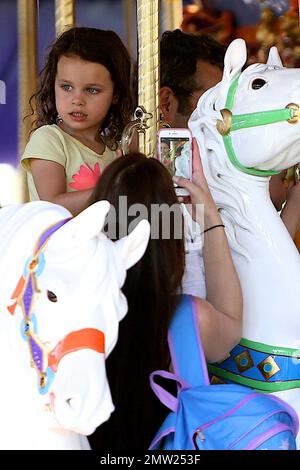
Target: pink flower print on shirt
x=86, y=178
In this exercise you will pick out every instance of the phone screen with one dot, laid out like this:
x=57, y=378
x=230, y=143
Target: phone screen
x=175, y=155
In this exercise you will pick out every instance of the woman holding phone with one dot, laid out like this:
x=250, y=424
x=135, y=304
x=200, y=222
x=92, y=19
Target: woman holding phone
x=152, y=289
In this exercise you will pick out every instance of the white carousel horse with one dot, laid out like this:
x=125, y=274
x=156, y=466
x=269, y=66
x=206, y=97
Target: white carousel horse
x=258, y=134
x=61, y=303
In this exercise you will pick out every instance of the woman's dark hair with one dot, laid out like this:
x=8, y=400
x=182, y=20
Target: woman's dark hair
x=150, y=289
x=93, y=45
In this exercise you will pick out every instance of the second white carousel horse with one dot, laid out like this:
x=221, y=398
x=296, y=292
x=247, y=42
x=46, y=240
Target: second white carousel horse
x=61, y=303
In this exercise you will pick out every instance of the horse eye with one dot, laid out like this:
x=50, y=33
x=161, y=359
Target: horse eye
x=258, y=83
x=51, y=296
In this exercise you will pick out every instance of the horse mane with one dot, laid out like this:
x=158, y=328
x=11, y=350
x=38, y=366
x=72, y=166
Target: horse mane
x=223, y=179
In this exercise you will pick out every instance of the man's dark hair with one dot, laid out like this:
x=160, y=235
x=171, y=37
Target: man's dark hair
x=179, y=53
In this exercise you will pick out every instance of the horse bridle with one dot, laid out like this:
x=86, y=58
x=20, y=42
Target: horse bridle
x=232, y=123
x=46, y=361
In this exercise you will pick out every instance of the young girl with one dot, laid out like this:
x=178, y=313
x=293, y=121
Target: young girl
x=150, y=288
x=82, y=106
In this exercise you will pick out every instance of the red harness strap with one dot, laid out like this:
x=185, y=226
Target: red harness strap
x=87, y=338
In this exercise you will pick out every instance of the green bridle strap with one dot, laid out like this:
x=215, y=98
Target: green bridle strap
x=231, y=93
x=244, y=169
x=243, y=121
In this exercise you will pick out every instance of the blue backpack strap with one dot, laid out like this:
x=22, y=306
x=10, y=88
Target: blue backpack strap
x=185, y=344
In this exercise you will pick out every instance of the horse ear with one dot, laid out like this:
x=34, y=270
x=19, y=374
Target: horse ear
x=235, y=59
x=274, y=57
x=132, y=247
x=85, y=225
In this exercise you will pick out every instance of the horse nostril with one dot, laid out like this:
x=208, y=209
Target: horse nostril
x=51, y=296
x=74, y=403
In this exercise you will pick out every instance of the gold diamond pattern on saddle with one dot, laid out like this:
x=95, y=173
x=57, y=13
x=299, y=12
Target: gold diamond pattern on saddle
x=243, y=361
x=216, y=380
x=268, y=367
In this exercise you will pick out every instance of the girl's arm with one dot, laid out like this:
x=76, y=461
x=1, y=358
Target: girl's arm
x=50, y=182
x=223, y=288
x=220, y=331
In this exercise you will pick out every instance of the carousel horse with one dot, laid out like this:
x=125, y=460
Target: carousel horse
x=61, y=303
x=248, y=129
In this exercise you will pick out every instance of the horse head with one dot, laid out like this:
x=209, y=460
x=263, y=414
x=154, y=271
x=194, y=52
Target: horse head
x=248, y=129
x=71, y=303
x=255, y=111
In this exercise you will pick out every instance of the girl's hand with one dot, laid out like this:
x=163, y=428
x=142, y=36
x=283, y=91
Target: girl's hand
x=199, y=191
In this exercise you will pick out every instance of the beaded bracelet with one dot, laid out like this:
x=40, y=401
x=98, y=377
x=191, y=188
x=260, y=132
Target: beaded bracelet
x=214, y=226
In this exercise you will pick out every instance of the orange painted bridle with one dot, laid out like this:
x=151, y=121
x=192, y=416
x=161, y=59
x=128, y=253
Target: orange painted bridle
x=46, y=361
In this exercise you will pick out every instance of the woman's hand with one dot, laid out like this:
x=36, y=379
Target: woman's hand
x=199, y=192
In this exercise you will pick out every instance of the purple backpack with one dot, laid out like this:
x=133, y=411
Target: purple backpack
x=215, y=417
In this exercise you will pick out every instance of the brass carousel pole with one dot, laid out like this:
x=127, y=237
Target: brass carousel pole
x=128, y=10
x=148, y=63
x=28, y=73
x=172, y=14
x=64, y=15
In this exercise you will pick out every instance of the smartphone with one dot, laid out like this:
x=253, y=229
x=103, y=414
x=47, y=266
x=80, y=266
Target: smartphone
x=174, y=150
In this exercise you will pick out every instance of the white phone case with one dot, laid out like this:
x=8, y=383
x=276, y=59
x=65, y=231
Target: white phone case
x=175, y=153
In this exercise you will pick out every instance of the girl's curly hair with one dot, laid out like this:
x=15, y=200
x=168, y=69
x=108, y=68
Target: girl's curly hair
x=93, y=45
